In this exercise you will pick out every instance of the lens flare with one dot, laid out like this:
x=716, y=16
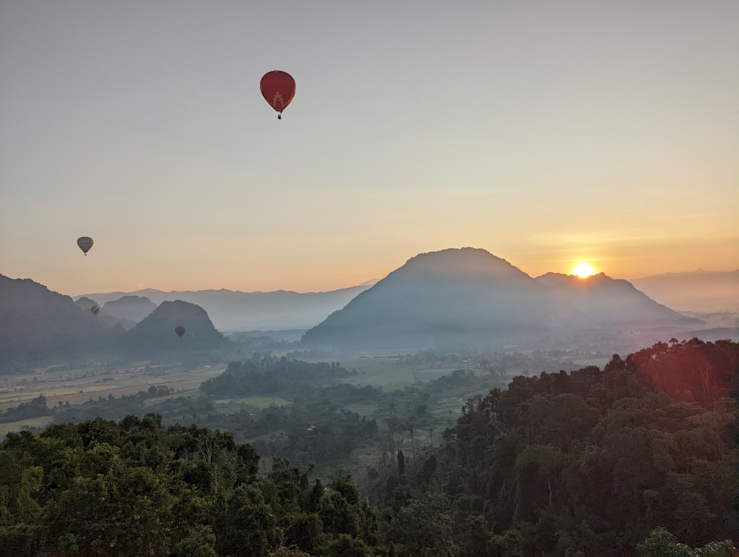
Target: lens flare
x=583, y=270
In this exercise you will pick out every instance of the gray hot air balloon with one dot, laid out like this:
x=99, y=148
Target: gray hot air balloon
x=85, y=243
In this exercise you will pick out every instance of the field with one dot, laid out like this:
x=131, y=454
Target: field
x=262, y=401
x=78, y=385
x=21, y=424
x=75, y=384
x=381, y=369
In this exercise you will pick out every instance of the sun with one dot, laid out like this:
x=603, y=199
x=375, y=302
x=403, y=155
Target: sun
x=583, y=270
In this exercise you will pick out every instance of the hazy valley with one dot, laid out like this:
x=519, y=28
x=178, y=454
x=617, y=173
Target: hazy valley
x=385, y=386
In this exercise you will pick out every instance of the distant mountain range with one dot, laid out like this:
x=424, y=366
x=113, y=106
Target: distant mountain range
x=38, y=326
x=451, y=297
x=105, y=318
x=469, y=296
x=134, y=308
x=249, y=311
x=705, y=291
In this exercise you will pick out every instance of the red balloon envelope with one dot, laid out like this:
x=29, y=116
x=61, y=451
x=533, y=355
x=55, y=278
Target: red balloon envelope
x=278, y=88
x=180, y=330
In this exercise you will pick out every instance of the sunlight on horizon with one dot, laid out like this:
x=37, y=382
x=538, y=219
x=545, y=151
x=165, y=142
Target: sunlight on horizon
x=583, y=270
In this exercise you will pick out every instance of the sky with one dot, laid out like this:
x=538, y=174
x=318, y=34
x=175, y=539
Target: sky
x=548, y=133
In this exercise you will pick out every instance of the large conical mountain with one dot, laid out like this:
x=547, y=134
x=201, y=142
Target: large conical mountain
x=157, y=331
x=452, y=296
x=469, y=296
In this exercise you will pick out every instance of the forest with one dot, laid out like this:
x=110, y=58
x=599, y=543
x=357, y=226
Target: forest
x=637, y=458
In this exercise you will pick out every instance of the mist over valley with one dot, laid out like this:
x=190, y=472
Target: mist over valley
x=382, y=388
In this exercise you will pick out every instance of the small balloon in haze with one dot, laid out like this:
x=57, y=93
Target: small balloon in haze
x=278, y=89
x=95, y=310
x=180, y=330
x=85, y=243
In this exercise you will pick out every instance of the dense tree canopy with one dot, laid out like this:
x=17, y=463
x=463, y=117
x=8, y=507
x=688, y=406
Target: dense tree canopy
x=269, y=375
x=137, y=488
x=639, y=458
x=589, y=463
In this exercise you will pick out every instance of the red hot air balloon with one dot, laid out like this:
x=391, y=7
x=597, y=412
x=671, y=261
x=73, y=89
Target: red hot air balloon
x=180, y=330
x=95, y=309
x=85, y=243
x=278, y=88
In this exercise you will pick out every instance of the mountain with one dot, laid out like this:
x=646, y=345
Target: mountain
x=469, y=296
x=86, y=303
x=38, y=325
x=610, y=302
x=452, y=296
x=134, y=308
x=156, y=332
x=250, y=311
x=705, y=291
x=108, y=320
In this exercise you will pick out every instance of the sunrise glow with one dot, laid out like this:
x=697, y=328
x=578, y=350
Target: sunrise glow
x=583, y=270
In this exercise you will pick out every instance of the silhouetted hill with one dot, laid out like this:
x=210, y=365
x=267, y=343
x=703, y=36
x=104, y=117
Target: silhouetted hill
x=469, y=296
x=250, y=311
x=455, y=295
x=156, y=332
x=105, y=319
x=37, y=325
x=608, y=302
x=134, y=308
x=706, y=291
x=86, y=303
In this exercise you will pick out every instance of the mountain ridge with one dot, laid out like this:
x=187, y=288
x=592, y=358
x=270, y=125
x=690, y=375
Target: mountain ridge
x=706, y=291
x=609, y=301
x=445, y=296
x=469, y=295
x=233, y=310
x=37, y=323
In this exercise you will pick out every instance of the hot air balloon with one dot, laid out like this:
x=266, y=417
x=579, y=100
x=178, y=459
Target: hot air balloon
x=180, y=330
x=85, y=243
x=278, y=88
x=95, y=309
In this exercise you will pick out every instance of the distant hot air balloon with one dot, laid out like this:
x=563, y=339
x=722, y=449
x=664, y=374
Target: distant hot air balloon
x=278, y=88
x=85, y=243
x=95, y=309
x=180, y=330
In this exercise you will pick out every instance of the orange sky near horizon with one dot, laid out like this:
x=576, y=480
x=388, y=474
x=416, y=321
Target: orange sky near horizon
x=548, y=134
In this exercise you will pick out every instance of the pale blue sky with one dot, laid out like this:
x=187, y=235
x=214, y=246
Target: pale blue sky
x=545, y=132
